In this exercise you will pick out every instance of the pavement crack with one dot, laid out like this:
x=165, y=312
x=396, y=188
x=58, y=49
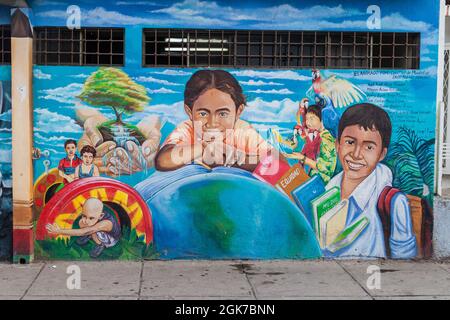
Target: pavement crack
x=354, y=279
x=32, y=282
x=244, y=268
x=141, y=280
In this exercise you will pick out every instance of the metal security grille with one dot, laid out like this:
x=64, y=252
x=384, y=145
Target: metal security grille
x=85, y=46
x=5, y=44
x=281, y=49
x=445, y=127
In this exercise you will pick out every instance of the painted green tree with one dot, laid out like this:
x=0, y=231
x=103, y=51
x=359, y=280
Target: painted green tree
x=411, y=159
x=114, y=88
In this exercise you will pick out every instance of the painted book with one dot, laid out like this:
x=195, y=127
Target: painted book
x=349, y=235
x=306, y=192
x=322, y=204
x=271, y=169
x=292, y=179
x=332, y=223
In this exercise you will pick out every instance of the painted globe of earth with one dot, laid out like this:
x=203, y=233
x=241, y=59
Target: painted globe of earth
x=224, y=214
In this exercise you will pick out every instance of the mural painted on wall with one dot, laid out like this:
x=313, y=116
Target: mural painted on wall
x=337, y=168
x=5, y=171
x=203, y=163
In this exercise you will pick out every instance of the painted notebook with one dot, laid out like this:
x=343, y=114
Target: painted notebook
x=308, y=191
x=332, y=223
x=322, y=204
x=349, y=235
x=292, y=179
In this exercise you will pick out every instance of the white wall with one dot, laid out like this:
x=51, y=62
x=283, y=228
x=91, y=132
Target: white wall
x=447, y=30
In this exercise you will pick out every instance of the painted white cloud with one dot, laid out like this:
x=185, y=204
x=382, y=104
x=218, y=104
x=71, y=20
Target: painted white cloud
x=174, y=113
x=46, y=120
x=285, y=16
x=170, y=72
x=65, y=94
x=273, y=91
x=399, y=22
x=51, y=139
x=80, y=76
x=285, y=75
x=394, y=21
x=154, y=80
x=100, y=15
x=161, y=91
x=430, y=38
x=260, y=110
x=200, y=11
x=41, y=75
x=260, y=83
x=426, y=59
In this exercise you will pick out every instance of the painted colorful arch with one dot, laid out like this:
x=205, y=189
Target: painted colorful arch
x=120, y=198
x=45, y=188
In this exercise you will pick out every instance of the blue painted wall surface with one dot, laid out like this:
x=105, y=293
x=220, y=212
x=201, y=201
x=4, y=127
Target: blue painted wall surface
x=408, y=96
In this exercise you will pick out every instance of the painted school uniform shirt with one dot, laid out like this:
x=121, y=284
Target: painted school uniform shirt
x=245, y=138
x=363, y=203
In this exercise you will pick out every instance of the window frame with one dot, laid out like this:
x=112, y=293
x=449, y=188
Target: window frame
x=308, y=49
x=5, y=55
x=41, y=50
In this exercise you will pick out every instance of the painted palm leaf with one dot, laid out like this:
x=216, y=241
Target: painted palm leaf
x=411, y=159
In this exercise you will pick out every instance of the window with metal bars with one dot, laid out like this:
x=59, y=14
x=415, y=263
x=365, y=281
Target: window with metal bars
x=5, y=44
x=85, y=46
x=280, y=49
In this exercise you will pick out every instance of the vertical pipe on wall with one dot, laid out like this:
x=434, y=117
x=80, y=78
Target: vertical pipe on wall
x=22, y=133
x=439, y=100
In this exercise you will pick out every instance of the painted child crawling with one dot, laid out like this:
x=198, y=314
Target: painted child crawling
x=95, y=225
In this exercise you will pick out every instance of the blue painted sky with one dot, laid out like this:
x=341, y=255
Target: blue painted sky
x=408, y=96
x=273, y=96
x=281, y=15
x=318, y=14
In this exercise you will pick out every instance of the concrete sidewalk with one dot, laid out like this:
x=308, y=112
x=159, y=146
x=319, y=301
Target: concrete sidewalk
x=227, y=280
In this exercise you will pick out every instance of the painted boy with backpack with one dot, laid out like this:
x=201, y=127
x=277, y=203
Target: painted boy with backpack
x=364, y=135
